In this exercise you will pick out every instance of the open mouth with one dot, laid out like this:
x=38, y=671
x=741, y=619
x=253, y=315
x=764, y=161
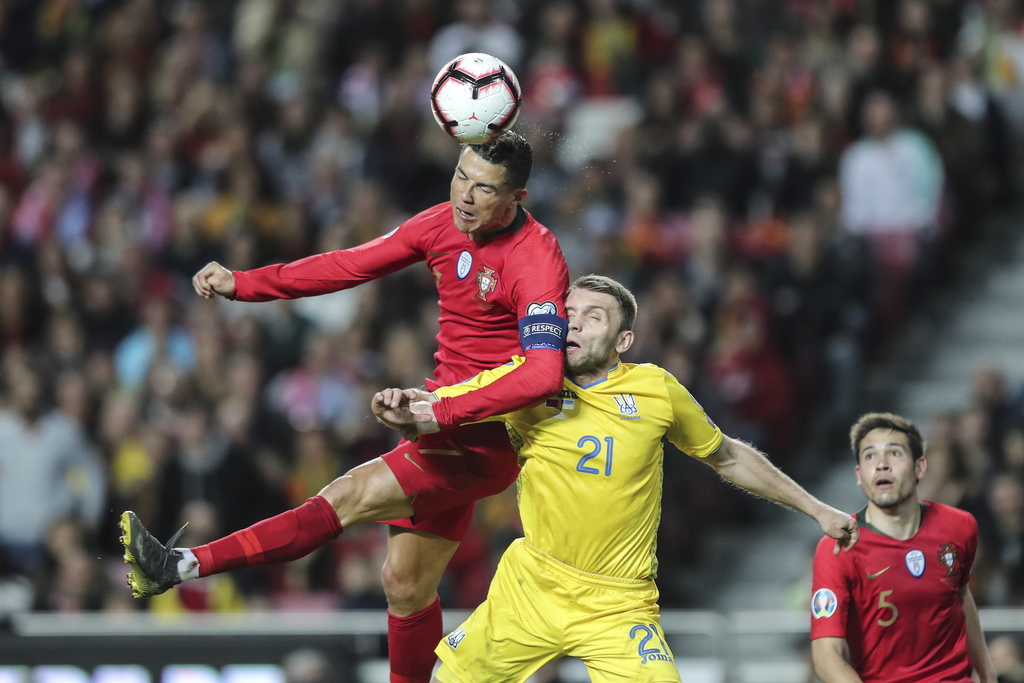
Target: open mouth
x=884, y=483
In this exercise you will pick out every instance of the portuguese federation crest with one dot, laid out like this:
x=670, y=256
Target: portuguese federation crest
x=486, y=280
x=949, y=556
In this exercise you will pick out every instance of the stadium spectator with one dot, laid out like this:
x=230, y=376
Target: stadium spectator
x=817, y=315
x=49, y=466
x=476, y=28
x=158, y=337
x=1001, y=524
x=892, y=184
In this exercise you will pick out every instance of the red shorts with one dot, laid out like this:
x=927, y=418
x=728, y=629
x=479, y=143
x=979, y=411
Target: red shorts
x=447, y=473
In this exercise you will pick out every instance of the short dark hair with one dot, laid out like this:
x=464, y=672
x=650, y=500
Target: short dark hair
x=889, y=421
x=605, y=285
x=512, y=151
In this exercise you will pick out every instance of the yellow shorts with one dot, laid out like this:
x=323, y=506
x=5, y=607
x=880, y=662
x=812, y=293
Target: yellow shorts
x=539, y=609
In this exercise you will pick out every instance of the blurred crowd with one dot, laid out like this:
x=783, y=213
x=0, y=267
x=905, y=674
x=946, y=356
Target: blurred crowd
x=976, y=462
x=779, y=181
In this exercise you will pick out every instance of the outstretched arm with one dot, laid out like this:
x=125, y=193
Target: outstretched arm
x=748, y=468
x=314, y=275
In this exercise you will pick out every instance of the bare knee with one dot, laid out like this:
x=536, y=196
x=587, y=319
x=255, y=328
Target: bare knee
x=407, y=592
x=368, y=493
x=414, y=567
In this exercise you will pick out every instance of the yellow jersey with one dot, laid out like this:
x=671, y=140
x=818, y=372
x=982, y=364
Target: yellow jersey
x=592, y=464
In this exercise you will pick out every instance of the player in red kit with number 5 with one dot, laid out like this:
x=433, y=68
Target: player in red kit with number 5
x=897, y=607
x=501, y=280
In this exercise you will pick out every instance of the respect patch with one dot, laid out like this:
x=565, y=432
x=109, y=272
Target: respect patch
x=543, y=329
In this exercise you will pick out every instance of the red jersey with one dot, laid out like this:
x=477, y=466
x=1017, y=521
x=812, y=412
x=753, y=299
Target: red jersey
x=897, y=603
x=499, y=297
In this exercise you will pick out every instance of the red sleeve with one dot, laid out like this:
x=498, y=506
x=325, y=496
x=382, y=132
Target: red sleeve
x=332, y=271
x=830, y=592
x=536, y=379
x=540, y=279
x=970, y=546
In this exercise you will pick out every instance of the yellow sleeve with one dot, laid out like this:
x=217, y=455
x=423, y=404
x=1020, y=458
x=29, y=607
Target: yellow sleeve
x=692, y=431
x=481, y=380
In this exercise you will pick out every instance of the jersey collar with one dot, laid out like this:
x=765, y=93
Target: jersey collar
x=517, y=222
x=862, y=520
x=615, y=368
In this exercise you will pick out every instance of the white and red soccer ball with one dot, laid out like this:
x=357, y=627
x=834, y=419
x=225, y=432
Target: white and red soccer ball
x=475, y=98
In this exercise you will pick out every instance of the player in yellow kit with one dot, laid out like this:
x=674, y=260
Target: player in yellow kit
x=581, y=582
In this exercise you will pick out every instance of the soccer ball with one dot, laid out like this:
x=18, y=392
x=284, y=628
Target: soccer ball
x=475, y=98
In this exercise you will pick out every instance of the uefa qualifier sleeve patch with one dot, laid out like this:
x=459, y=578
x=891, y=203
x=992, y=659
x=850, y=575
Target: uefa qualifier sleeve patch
x=542, y=327
x=824, y=603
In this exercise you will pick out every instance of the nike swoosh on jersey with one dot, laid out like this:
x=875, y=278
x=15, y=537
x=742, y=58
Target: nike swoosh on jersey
x=435, y=254
x=408, y=456
x=877, y=574
x=440, y=451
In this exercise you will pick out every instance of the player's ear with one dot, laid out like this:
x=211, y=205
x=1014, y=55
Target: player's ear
x=520, y=195
x=625, y=341
x=920, y=467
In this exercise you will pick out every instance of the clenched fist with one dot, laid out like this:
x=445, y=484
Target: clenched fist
x=213, y=278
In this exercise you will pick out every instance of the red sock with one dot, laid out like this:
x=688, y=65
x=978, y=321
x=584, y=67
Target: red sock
x=282, y=538
x=411, y=643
